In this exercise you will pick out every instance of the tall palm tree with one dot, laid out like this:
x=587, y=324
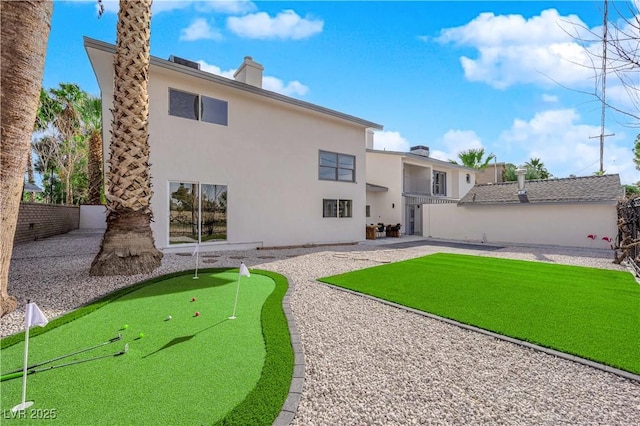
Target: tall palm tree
x=68, y=121
x=474, y=158
x=91, y=112
x=24, y=31
x=127, y=246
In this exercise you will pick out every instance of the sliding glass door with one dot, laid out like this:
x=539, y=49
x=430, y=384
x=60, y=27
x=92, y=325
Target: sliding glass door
x=197, y=212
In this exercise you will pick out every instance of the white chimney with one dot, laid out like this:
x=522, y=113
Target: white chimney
x=369, y=139
x=521, y=175
x=250, y=72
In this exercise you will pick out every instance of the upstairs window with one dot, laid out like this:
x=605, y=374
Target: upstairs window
x=198, y=107
x=339, y=167
x=183, y=104
x=439, y=183
x=214, y=110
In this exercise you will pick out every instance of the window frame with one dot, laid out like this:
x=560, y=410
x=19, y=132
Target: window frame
x=439, y=183
x=199, y=107
x=336, y=169
x=197, y=196
x=340, y=208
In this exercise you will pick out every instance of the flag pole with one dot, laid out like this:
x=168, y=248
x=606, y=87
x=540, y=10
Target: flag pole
x=233, y=316
x=25, y=404
x=196, y=251
x=243, y=271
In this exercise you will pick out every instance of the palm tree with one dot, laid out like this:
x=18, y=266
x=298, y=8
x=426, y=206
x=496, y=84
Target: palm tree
x=91, y=111
x=474, y=158
x=127, y=246
x=68, y=121
x=24, y=31
x=538, y=167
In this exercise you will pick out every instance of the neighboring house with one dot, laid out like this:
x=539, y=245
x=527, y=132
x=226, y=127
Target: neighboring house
x=562, y=212
x=29, y=187
x=493, y=173
x=237, y=166
x=399, y=184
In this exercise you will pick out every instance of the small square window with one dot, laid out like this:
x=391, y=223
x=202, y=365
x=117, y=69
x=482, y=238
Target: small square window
x=329, y=208
x=183, y=104
x=214, y=110
x=344, y=208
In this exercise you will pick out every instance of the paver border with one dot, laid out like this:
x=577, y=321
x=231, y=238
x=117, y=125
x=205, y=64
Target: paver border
x=290, y=406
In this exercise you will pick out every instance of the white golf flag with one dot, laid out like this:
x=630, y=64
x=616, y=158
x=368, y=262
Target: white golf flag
x=34, y=316
x=244, y=270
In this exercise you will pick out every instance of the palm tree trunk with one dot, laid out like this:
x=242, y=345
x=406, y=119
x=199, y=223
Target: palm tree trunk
x=24, y=30
x=128, y=247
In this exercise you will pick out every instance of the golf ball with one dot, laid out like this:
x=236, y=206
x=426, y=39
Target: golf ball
x=169, y=317
x=125, y=326
x=197, y=314
x=141, y=335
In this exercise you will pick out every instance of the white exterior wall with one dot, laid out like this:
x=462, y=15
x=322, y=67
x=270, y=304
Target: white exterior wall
x=551, y=224
x=385, y=170
x=463, y=186
x=93, y=217
x=267, y=156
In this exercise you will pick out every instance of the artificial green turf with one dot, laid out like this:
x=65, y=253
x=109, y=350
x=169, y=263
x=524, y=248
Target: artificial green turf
x=189, y=370
x=588, y=312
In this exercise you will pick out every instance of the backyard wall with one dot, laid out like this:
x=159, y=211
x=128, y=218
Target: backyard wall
x=551, y=224
x=37, y=220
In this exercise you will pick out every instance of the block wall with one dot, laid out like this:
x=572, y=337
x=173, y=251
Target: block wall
x=37, y=221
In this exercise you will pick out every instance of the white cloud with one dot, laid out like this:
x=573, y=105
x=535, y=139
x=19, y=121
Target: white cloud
x=567, y=146
x=549, y=98
x=390, y=141
x=514, y=50
x=285, y=25
x=199, y=30
x=454, y=142
x=214, y=69
x=292, y=88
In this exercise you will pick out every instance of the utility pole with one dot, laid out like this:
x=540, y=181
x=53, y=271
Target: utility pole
x=605, y=35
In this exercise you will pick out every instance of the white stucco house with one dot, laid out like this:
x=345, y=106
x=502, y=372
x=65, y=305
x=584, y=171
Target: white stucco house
x=401, y=184
x=236, y=166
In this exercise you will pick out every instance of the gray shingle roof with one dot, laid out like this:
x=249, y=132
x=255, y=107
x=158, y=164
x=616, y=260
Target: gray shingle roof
x=566, y=190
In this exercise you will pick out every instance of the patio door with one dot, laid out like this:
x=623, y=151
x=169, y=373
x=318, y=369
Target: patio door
x=414, y=220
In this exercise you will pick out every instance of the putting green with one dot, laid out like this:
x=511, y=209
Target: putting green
x=186, y=370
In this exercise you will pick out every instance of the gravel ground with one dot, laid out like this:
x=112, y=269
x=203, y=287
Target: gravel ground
x=368, y=363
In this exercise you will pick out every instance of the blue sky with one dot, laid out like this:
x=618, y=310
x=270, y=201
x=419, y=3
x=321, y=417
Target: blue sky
x=506, y=76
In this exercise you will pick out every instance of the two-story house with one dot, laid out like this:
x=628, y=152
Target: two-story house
x=236, y=166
